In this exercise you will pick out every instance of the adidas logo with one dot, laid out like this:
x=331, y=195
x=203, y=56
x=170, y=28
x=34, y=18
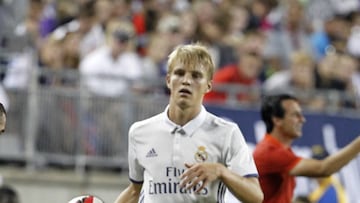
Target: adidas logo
x=151, y=153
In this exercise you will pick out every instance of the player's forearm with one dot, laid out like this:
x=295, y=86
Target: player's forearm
x=245, y=189
x=336, y=161
x=129, y=195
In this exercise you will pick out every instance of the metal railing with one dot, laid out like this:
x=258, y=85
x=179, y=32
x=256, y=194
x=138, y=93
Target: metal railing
x=67, y=127
x=55, y=119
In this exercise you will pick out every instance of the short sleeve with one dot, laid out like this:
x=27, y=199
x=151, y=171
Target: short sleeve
x=239, y=158
x=275, y=159
x=287, y=162
x=136, y=171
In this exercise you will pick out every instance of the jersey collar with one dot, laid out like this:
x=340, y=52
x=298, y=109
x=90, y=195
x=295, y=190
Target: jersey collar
x=275, y=141
x=190, y=126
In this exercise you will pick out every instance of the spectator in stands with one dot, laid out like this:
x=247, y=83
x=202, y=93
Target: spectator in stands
x=354, y=37
x=48, y=21
x=239, y=20
x=122, y=10
x=278, y=165
x=296, y=80
x=329, y=189
x=59, y=55
x=259, y=11
x=338, y=30
x=157, y=50
x=107, y=69
x=7, y=17
x=330, y=35
x=51, y=53
x=212, y=26
x=26, y=41
x=345, y=74
x=337, y=71
x=11, y=13
x=29, y=28
x=188, y=25
x=245, y=73
x=109, y=72
x=325, y=71
x=168, y=28
x=353, y=49
x=85, y=24
x=205, y=11
x=8, y=194
x=290, y=36
x=103, y=12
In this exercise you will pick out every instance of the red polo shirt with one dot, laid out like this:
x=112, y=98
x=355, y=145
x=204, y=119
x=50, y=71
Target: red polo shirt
x=274, y=161
x=230, y=75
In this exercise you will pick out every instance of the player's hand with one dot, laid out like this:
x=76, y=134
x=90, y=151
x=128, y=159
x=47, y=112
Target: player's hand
x=200, y=174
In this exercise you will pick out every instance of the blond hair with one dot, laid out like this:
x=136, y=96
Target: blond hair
x=192, y=55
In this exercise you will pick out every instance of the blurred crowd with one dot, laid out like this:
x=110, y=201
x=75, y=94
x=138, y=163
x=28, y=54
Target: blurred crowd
x=271, y=46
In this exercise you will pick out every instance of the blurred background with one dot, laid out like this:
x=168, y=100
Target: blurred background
x=75, y=75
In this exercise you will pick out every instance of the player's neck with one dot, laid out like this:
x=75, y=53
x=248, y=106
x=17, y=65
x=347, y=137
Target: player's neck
x=282, y=138
x=181, y=116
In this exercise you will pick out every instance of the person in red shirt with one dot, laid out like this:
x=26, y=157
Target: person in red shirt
x=277, y=164
x=245, y=73
x=242, y=77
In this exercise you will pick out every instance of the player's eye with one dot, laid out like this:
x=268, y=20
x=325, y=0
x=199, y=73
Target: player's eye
x=196, y=75
x=179, y=72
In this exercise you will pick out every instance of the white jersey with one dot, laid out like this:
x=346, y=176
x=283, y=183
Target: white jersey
x=159, y=149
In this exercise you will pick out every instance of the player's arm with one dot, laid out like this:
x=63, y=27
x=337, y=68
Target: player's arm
x=330, y=165
x=245, y=189
x=130, y=194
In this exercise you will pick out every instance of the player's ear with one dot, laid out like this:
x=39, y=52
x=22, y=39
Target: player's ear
x=209, y=86
x=168, y=81
x=275, y=120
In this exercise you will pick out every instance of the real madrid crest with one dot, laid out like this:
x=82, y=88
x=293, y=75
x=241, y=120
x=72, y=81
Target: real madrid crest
x=201, y=155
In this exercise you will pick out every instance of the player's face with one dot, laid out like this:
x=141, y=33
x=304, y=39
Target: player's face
x=2, y=123
x=188, y=85
x=293, y=120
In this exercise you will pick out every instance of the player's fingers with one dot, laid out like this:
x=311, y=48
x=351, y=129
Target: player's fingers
x=183, y=183
x=188, y=165
x=187, y=178
x=202, y=186
x=193, y=183
x=198, y=182
x=189, y=172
